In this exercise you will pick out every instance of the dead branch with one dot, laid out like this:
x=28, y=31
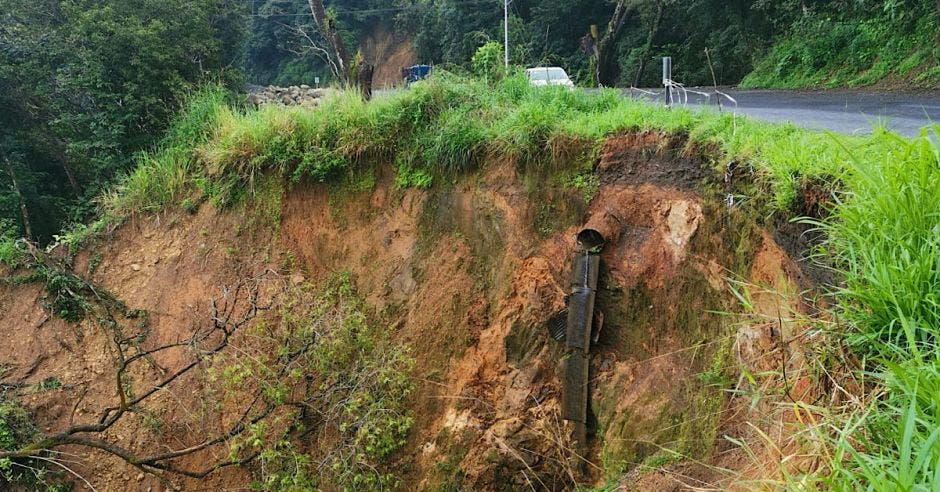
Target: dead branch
x=232, y=310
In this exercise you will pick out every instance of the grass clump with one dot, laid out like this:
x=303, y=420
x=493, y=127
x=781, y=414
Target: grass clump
x=884, y=239
x=162, y=176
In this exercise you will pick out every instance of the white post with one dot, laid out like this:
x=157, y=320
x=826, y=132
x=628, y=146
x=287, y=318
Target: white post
x=506, y=31
x=667, y=79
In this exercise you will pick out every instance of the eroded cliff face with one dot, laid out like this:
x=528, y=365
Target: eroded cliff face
x=465, y=275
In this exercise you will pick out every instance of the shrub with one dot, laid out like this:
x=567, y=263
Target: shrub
x=17, y=430
x=488, y=61
x=352, y=382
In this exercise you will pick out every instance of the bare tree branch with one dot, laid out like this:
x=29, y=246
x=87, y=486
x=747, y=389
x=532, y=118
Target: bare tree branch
x=234, y=309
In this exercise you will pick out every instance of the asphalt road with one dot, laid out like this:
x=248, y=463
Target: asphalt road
x=841, y=111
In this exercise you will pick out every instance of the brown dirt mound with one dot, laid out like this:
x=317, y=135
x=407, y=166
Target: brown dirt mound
x=462, y=275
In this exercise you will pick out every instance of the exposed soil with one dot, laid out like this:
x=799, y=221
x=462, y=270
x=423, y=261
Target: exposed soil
x=654, y=158
x=462, y=276
x=389, y=52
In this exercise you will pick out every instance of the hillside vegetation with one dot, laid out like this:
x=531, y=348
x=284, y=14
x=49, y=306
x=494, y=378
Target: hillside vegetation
x=896, y=46
x=791, y=43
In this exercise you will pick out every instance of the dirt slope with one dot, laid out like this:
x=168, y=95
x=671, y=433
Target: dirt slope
x=467, y=275
x=389, y=52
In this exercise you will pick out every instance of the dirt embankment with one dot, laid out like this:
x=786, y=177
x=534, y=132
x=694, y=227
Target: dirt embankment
x=467, y=275
x=389, y=52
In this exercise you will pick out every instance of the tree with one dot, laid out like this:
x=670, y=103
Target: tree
x=329, y=30
x=86, y=84
x=298, y=378
x=656, y=18
x=24, y=209
x=232, y=311
x=607, y=69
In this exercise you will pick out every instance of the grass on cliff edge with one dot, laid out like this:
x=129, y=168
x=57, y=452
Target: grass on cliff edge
x=882, y=232
x=446, y=125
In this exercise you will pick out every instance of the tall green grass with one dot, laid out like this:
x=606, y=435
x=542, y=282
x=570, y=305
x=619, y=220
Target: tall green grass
x=884, y=238
x=162, y=176
x=448, y=125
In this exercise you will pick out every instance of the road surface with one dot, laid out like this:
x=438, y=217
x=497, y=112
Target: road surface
x=842, y=111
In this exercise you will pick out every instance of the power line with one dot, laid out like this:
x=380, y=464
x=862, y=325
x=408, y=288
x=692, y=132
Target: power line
x=373, y=11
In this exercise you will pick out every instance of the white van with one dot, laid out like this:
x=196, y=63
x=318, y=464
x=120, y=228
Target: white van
x=544, y=76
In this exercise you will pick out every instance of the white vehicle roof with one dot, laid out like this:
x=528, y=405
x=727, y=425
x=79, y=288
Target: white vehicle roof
x=546, y=73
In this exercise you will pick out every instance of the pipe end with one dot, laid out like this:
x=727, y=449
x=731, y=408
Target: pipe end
x=590, y=240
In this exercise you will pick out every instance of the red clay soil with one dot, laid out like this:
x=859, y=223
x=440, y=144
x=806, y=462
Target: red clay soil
x=463, y=277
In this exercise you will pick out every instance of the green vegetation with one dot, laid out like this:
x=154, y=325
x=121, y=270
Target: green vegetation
x=785, y=43
x=67, y=295
x=162, y=178
x=10, y=254
x=447, y=125
x=488, y=61
x=88, y=87
x=847, y=48
x=85, y=85
x=352, y=383
x=884, y=237
x=17, y=429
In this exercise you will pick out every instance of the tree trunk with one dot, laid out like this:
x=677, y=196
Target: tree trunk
x=365, y=80
x=76, y=188
x=606, y=47
x=24, y=210
x=648, y=47
x=329, y=31
x=64, y=162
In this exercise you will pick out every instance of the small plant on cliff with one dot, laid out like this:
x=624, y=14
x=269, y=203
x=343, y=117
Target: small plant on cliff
x=16, y=430
x=10, y=253
x=344, y=381
x=409, y=177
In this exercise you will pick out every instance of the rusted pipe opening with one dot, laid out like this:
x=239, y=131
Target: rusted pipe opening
x=590, y=239
x=607, y=224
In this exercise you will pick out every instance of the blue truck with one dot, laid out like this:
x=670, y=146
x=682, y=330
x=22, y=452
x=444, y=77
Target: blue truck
x=415, y=73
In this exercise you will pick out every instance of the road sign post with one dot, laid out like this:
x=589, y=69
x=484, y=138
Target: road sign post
x=667, y=79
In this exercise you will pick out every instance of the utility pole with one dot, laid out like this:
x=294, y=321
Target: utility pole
x=506, y=32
